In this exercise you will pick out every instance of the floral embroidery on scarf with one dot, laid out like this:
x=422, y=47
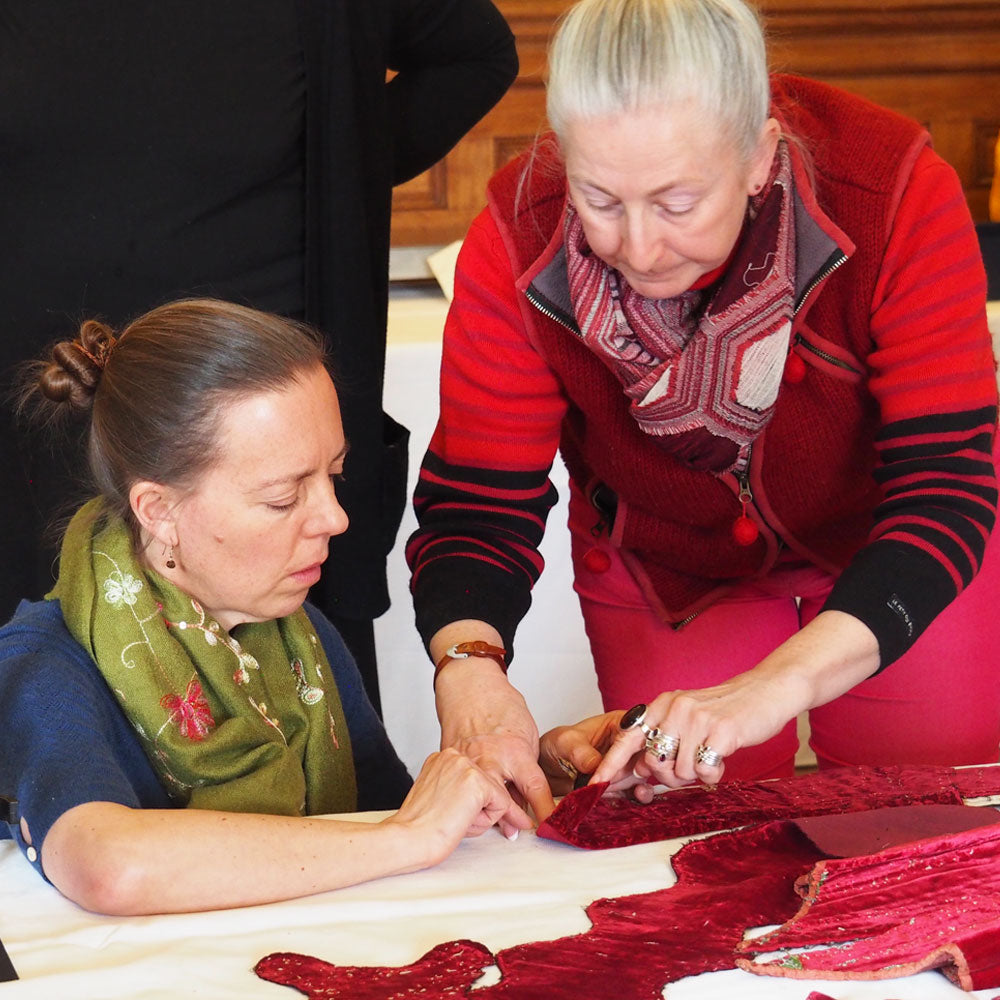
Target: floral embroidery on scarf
x=272, y=722
x=190, y=713
x=308, y=694
x=121, y=588
x=245, y=662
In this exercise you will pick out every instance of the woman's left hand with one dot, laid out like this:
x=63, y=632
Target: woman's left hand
x=702, y=727
x=698, y=729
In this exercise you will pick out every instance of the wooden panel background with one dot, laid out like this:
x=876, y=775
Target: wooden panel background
x=938, y=62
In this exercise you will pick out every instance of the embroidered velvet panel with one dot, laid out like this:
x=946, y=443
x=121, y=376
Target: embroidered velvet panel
x=585, y=819
x=636, y=943
x=925, y=905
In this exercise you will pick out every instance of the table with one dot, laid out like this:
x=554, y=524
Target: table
x=489, y=890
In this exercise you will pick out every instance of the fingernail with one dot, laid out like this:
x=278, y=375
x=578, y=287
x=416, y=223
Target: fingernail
x=513, y=834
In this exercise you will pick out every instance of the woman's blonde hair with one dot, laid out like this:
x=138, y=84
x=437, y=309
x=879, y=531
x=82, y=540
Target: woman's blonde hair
x=610, y=56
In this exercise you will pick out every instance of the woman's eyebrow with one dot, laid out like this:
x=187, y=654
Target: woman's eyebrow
x=296, y=477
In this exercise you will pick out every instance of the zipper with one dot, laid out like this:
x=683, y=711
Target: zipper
x=824, y=273
x=799, y=340
x=745, y=496
x=677, y=626
x=824, y=355
x=546, y=310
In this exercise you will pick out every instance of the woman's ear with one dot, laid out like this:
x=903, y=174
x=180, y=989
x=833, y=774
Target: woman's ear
x=763, y=156
x=155, y=508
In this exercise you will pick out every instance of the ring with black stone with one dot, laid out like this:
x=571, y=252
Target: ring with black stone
x=633, y=717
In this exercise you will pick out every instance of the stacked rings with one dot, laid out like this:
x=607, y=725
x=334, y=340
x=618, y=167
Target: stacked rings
x=661, y=746
x=706, y=755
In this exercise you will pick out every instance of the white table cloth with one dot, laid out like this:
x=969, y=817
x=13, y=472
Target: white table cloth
x=490, y=890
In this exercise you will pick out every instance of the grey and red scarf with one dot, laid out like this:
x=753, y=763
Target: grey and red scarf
x=701, y=370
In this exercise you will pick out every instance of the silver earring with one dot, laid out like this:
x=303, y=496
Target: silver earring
x=170, y=559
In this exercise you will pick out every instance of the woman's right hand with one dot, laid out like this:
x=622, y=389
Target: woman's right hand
x=452, y=798
x=485, y=717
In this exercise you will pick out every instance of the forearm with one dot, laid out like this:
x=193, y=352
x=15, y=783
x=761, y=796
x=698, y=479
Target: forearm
x=113, y=859
x=933, y=376
x=822, y=661
x=484, y=493
x=827, y=657
x=474, y=696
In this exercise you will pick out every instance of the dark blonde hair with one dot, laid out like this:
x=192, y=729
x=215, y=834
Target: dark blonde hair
x=154, y=393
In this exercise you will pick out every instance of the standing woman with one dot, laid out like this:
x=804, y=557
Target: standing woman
x=749, y=312
x=242, y=149
x=217, y=713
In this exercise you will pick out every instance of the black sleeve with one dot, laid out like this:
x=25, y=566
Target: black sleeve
x=454, y=60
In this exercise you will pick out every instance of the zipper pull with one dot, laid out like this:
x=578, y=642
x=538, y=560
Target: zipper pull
x=597, y=560
x=795, y=370
x=744, y=529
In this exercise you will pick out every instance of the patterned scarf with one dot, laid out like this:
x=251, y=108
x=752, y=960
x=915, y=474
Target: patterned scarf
x=253, y=724
x=701, y=370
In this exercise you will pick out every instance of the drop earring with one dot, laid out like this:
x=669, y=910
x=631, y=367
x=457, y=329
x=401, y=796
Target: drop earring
x=170, y=559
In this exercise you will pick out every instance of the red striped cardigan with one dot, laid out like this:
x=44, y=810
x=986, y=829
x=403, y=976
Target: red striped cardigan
x=877, y=465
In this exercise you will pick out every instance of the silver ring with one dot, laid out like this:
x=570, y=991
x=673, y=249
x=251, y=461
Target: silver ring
x=650, y=732
x=706, y=755
x=663, y=748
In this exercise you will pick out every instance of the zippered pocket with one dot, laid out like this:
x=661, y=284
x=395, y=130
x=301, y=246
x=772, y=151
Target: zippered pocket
x=839, y=364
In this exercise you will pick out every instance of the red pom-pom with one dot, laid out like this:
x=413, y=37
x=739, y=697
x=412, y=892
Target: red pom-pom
x=745, y=530
x=795, y=369
x=597, y=561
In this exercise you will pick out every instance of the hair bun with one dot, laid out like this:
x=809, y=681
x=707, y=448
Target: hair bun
x=74, y=372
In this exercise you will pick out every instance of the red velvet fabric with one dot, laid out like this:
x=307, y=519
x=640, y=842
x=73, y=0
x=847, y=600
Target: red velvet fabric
x=636, y=943
x=585, y=819
x=445, y=971
x=925, y=905
x=725, y=884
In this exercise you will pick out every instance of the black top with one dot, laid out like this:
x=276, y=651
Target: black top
x=240, y=148
x=150, y=150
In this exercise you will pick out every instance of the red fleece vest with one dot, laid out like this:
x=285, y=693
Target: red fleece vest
x=810, y=471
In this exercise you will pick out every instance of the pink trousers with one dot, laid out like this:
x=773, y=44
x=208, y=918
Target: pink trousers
x=937, y=704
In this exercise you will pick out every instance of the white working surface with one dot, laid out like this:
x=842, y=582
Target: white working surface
x=492, y=891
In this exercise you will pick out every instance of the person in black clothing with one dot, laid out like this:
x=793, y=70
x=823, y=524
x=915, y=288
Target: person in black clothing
x=243, y=149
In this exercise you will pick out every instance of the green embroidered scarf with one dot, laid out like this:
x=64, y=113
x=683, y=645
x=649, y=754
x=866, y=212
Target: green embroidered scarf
x=249, y=722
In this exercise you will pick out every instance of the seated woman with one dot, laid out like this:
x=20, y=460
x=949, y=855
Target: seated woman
x=175, y=665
